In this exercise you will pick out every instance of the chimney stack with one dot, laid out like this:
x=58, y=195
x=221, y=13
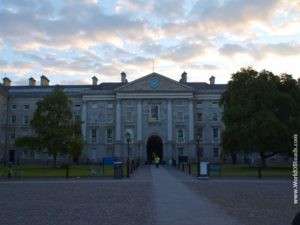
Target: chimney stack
x=6, y=81
x=212, y=80
x=183, y=77
x=123, y=77
x=31, y=81
x=95, y=80
x=44, y=81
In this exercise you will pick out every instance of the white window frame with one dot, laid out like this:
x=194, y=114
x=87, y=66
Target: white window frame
x=94, y=136
x=109, y=117
x=215, y=116
x=109, y=140
x=154, y=116
x=213, y=133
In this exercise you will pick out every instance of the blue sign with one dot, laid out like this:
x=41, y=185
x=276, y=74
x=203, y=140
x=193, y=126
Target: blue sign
x=109, y=161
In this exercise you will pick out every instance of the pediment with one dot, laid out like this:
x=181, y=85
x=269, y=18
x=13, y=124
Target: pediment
x=154, y=82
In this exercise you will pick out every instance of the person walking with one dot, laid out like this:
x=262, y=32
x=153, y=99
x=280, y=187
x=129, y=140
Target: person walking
x=157, y=160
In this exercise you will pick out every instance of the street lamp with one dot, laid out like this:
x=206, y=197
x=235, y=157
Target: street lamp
x=198, y=156
x=128, y=140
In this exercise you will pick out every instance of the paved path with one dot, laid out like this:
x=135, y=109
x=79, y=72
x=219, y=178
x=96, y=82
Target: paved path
x=176, y=204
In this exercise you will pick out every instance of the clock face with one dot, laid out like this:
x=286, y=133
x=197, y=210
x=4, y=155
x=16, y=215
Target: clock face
x=154, y=83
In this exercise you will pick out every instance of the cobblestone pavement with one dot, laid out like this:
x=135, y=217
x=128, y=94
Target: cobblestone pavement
x=252, y=201
x=76, y=202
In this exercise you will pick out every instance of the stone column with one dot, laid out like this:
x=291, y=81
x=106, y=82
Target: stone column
x=118, y=121
x=170, y=125
x=139, y=121
x=191, y=121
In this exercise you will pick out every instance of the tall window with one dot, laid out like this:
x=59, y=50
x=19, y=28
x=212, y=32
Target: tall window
x=154, y=113
x=129, y=116
x=13, y=119
x=109, y=117
x=215, y=132
x=180, y=135
x=216, y=152
x=26, y=107
x=109, y=135
x=25, y=120
x=180, y=116
x=94, y=135
x=200, y=134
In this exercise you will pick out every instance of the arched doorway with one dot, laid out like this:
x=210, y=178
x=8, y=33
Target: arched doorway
x=154, y=148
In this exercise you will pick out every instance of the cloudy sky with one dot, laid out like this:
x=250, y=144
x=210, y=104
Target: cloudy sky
x=70, y=41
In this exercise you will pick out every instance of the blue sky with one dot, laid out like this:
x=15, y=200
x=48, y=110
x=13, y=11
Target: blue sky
x=71, y=41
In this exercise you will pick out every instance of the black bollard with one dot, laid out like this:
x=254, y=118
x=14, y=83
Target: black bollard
x=189, y=168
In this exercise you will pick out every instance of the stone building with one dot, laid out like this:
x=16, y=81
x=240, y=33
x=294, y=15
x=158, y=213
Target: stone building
x=163, y=117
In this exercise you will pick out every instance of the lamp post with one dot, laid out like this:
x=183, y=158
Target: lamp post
x=128, y=140
x=198, y=156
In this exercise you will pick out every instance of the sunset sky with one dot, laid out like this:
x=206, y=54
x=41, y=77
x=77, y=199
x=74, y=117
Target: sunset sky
x=70, y=41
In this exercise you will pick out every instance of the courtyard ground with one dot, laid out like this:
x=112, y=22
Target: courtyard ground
x=150, y=197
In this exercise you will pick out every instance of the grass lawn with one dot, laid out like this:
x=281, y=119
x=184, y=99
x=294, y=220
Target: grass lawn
x=48, y=171
x=246, y=171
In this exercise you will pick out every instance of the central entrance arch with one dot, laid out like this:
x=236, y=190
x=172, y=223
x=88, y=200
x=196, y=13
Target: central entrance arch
x=154, y=148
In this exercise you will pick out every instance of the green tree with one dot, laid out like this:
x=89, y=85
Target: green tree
x=261, y=112
x=55, y=132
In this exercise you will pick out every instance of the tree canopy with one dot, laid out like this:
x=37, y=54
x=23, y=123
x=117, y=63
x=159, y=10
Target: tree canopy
x=53, y=126
x=261, y=113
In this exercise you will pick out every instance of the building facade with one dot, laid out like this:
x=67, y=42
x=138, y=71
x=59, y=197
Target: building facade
x=163, y=116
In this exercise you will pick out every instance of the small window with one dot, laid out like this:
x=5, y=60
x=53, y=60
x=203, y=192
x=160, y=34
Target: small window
x=180, y=117
x=14, y=106
x=215, y=103
x=215, y=116
x=180, y=136
x=216, y=152
x=94, y=106
x=13, y=119
x=199, y=117
x=26, y=107
x=77, y=106
x=154, y=113
x=199, y=104
x=215, y=132
x=110, y=105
